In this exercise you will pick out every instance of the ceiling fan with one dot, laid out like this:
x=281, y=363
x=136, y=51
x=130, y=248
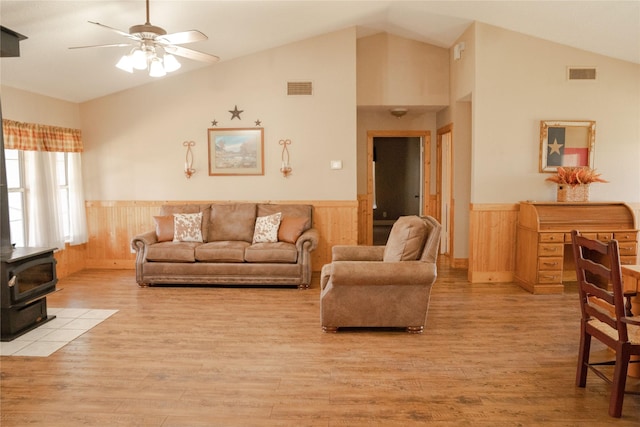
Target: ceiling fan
x=153, y=49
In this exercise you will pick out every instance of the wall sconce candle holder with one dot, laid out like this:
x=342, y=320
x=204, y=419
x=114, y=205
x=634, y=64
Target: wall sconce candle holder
x=188, y=160
x=286, y=165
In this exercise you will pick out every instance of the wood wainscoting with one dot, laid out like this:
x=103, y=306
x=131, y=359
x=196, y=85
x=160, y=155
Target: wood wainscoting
x=492, y=242
x=70, y=260
x=365, y=220
x=112, y=224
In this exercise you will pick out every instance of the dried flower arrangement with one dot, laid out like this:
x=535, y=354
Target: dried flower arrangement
x=575, y=176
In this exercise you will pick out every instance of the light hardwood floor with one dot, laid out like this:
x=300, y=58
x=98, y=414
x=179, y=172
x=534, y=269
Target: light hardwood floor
x=491, y=355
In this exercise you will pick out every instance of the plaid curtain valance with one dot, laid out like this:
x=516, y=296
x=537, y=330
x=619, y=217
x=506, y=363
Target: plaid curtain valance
x=36, y=137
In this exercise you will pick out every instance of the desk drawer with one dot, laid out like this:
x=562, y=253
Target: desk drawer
x=552, y=237
x=550, y=277
x=628, y=260
x=550, y=249
x=605, y=237
x=550, y=263
x=628, y=248
x=625, y=236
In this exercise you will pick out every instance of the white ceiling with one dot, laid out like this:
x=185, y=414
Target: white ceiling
x=238, y=28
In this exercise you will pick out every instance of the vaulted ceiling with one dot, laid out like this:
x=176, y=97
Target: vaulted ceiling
x=238, y=28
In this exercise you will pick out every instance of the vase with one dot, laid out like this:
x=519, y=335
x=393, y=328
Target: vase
x=573, y=193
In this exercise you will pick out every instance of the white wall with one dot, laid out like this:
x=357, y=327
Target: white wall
x=398, y=71
x=29, y=107
x=459, y=113
x=521, y=80
x=133, y=139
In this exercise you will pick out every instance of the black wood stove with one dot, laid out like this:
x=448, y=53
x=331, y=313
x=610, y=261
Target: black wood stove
x=28, y=276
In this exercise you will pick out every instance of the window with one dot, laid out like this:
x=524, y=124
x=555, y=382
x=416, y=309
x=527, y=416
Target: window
x=16, y=192
x=62, y=171
x=18, y=195
x=45, y=176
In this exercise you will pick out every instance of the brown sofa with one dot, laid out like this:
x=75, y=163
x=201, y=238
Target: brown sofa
x=382, y=286
x=227, y=244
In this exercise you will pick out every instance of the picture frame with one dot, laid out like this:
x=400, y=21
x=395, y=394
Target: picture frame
x=566, y=143
x=236, y=151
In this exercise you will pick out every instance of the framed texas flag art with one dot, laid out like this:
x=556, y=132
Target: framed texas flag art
x=566, y=143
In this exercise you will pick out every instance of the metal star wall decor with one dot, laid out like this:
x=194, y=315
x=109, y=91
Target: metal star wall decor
x=258, y=122
x=214, y=122
x=236, y=113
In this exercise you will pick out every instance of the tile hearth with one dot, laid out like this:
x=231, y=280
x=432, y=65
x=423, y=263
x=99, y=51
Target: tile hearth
x=46, y=339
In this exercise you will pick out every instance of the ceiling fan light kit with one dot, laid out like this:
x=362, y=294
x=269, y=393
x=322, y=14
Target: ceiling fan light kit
x=154, y=50
x=156, y=69
x=170, y=63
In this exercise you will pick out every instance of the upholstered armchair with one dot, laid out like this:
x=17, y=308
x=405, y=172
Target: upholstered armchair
x=382, y=286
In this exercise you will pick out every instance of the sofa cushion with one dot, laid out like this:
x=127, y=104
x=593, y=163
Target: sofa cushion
x=291, y=227
x=229, y=251
x=187, y=227
x=164, y=228
x=232, y=222
x=294, y=210
x=169, y=210
x=172, y=251
x=280, y=252
x=406, y=239
x=266, y=229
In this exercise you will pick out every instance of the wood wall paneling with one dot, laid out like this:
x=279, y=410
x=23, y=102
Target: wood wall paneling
x=365, y=220
x=112, y=224
x=492, y=237
x=70, y=260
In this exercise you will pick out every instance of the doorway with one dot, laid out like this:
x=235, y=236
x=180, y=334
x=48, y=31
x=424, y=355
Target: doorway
x=398, y=179
x=444, y=187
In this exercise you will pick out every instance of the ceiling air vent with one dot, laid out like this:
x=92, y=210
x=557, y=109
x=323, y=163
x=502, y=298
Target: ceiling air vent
x=299, y=88
x=582, y=73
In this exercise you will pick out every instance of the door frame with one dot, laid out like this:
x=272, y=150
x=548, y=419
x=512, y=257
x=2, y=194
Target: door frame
x=438, y=210
x=425, y=136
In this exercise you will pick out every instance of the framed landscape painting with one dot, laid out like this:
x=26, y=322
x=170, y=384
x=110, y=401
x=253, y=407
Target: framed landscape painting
x=237, y=151
x=566, y=143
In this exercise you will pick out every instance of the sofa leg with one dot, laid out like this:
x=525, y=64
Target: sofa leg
x=415, y=329
x=330, y=329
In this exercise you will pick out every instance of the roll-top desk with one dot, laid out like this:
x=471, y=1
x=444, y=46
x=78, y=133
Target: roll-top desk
x=543, y=252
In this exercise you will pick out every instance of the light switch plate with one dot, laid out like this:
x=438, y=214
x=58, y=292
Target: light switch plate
x=336, y=164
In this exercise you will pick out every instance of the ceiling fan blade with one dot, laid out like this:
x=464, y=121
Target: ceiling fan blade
x=191, y=54
x=122, y=33
x=102, y=45
x=182, y=37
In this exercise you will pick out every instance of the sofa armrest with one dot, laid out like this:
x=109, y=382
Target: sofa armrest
x=308, y=240
x=139, y=244
x=357, y=253
x=144, y=239
x=355, y=273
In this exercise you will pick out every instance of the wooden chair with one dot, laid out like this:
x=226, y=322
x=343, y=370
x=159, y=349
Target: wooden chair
x=603, y=314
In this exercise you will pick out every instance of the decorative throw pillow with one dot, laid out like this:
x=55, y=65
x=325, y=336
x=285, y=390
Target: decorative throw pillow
x=164, y=228
x=406, y=239
x=266, y=229
x=187, y=227
x=291, y=227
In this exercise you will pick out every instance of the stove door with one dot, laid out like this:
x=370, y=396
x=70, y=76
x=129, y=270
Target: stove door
x=30, y=280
